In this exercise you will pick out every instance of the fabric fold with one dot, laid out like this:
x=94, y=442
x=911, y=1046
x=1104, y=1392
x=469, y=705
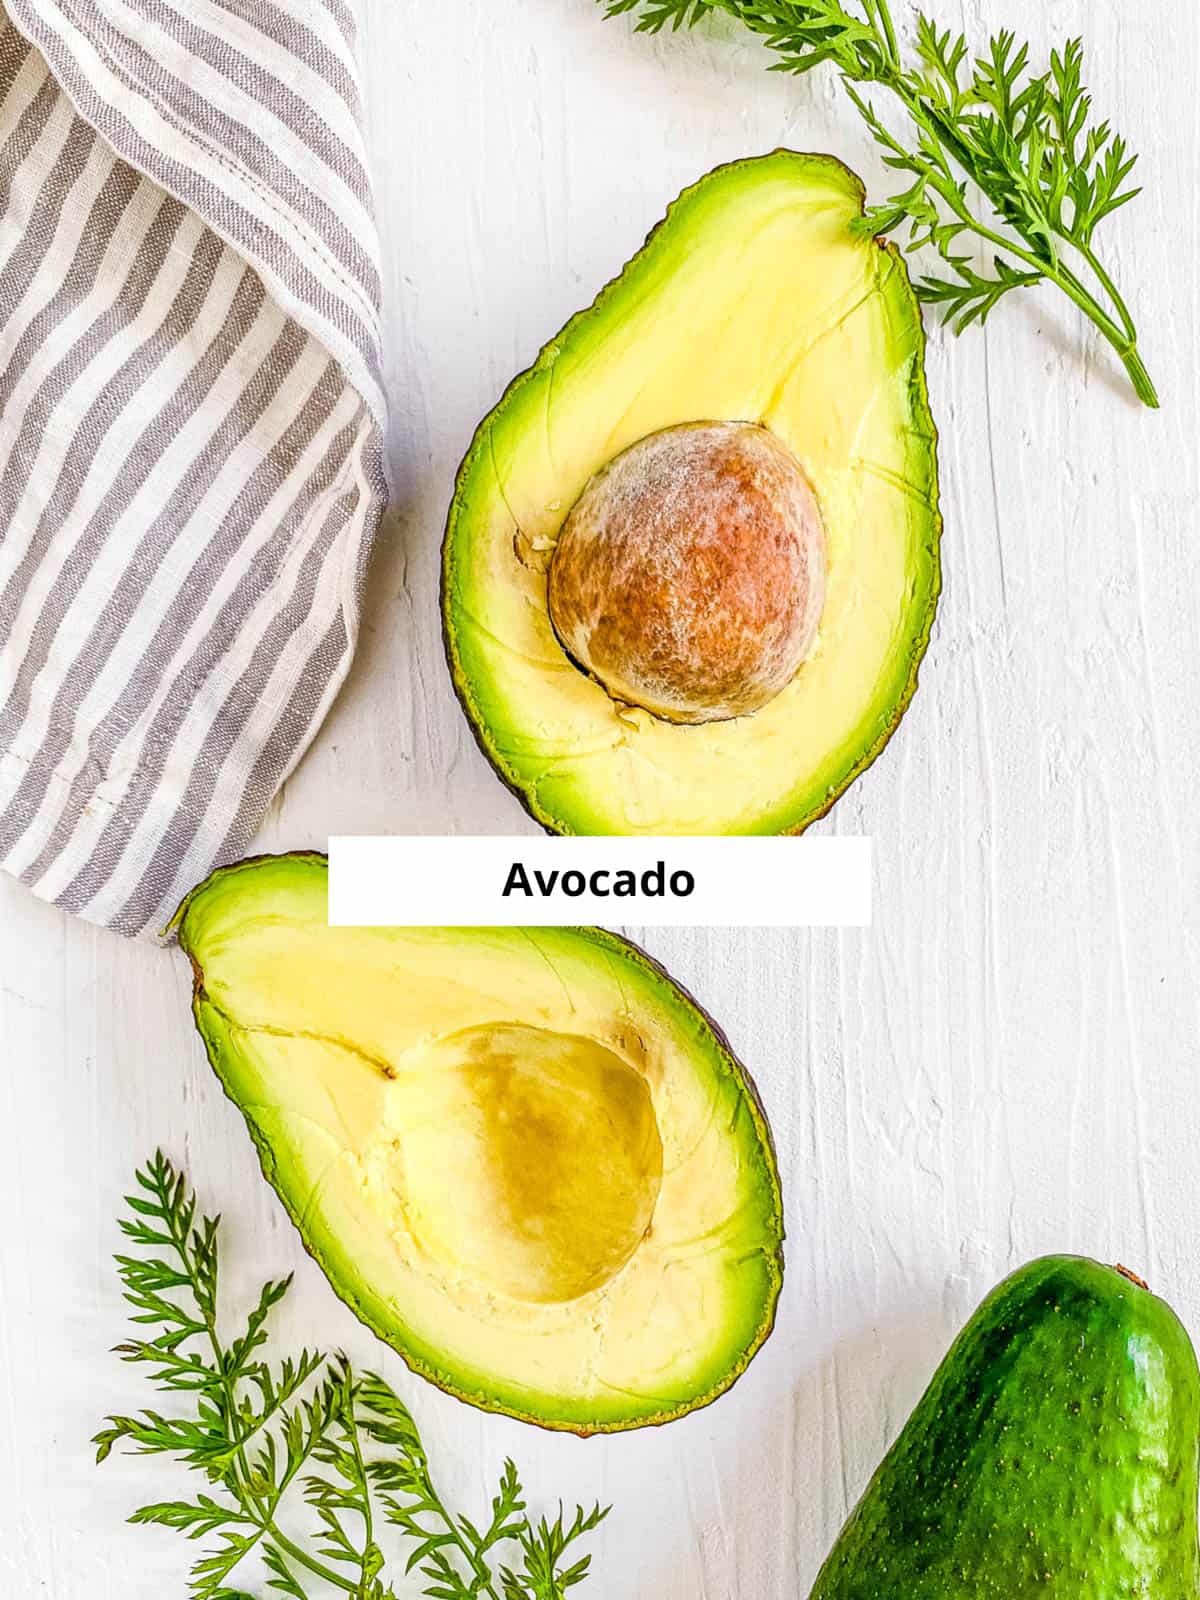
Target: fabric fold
x=191, y=429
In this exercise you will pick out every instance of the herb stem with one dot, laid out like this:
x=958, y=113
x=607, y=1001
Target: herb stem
x=368, y=1518
x=240, y=1464
x=262, y=1515
x=318, y=1568
x=1121, y=336
x=1125, y=346
x=884, y=16
x=206, y=1303
x=1110, y=289
x=288, y=1546
x=482, y=1577
x=1143, y=383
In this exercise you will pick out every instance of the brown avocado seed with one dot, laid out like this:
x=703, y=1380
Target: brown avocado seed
x=690, y=574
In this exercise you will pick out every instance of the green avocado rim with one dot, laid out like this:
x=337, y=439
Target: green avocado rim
x=929, y=550
x=425, y=1365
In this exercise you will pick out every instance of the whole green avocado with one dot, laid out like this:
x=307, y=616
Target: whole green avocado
x=1056, y=1454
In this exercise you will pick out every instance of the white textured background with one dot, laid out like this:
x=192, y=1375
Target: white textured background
x=1006, y=1064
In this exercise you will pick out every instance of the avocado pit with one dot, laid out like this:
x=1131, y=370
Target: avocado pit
x=689, y=576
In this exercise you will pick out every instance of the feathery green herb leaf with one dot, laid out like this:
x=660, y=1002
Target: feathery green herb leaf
x=348, y=1445
x=985, y=125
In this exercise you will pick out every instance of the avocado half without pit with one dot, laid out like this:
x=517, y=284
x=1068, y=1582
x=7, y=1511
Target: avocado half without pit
x=524, y=1157
x=691, y=564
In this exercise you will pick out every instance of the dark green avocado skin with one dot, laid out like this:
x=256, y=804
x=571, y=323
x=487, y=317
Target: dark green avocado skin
x=1055, y=1455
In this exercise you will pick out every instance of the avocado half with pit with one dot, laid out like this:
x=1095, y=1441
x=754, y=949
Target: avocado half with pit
x=524, y=1157
x=691, y=564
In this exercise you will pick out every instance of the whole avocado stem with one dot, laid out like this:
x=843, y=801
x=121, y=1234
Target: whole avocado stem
x=1132, y=1276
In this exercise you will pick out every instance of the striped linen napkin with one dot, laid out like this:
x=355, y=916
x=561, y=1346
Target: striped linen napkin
x=191, y=428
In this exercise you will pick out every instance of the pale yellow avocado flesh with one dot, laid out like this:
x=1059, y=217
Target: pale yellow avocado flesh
x=754, y=301
x=524, y=1157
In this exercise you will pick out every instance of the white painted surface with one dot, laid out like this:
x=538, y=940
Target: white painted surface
x=1005, y=1064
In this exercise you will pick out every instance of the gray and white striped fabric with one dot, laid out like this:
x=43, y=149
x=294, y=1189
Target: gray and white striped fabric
x=191, y=425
